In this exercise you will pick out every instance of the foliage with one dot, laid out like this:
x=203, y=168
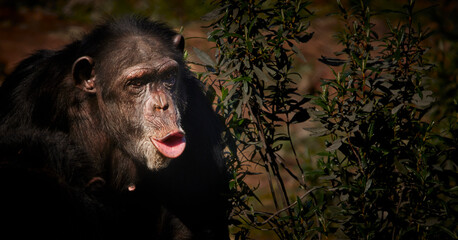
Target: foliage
x=392, y=176
x=388, y=171
x=256, y=95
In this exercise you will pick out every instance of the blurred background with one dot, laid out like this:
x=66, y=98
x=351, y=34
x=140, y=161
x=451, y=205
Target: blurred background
x=29, y=25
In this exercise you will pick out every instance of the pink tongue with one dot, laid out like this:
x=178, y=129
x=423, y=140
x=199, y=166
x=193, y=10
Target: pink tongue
x=172, y=145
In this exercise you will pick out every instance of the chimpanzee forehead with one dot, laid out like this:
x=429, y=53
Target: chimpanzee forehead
x=142, y=48
x=135, y=50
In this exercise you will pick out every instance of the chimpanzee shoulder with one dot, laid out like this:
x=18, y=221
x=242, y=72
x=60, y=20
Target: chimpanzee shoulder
x=44, y=176
x=36, y=149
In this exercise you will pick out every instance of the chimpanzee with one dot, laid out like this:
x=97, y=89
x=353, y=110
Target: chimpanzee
x=110, y=137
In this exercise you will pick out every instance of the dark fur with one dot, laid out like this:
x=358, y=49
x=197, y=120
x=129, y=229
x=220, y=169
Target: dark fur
x=52, y=149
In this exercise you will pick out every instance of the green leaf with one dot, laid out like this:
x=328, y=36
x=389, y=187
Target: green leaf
x=305, y=37
x=368, y=107
x=203, y=57
x=298, y=52
x=215, y=14
x=423, y=100
x=335, y=145
x=400, y=167
x=300, y=116
x=261, y=75
x=317, y=132
x=335, y=62
x=224, y=92
x=368, y=185
x=397, y=108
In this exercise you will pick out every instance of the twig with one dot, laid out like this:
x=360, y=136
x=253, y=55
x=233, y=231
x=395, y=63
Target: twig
x=290, y=206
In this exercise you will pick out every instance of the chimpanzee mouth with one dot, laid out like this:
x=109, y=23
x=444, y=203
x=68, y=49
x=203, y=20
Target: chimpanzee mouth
x=172, y=145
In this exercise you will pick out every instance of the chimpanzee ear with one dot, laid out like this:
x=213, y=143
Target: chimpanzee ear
x=83, y=74
x=178, y=42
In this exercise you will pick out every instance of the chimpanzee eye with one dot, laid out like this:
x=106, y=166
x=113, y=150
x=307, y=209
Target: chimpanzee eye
x=169, y=80
x=136, y=83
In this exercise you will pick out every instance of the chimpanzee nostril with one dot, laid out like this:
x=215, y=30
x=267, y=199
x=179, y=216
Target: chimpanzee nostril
x=160, y=102
x=160, y=107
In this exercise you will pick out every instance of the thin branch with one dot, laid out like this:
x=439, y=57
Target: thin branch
x=290, y=206
x=287, y=169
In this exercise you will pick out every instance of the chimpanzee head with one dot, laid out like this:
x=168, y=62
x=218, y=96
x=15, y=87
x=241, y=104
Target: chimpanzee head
x=131, y=74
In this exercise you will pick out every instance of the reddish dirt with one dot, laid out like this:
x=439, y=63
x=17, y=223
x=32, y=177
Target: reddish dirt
x=24, y=32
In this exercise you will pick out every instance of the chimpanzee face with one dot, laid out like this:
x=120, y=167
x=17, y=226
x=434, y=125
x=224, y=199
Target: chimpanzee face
x=137, y=88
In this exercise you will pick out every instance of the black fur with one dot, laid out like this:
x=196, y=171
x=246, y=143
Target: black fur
x=58, y=185
x=49, y=190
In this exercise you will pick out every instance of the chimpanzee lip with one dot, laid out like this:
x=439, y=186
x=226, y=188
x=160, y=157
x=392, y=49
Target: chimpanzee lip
x=171, y=145
x=170, y=136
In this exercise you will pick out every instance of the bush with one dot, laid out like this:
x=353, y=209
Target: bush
x=387, y=171
x=257, y=97
x=391, y=174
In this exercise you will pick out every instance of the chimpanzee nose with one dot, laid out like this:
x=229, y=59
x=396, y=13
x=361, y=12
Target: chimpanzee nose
x=160, y=102
x=159, y=107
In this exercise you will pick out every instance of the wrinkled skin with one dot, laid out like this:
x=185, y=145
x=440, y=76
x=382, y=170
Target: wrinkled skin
x=138, y=100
